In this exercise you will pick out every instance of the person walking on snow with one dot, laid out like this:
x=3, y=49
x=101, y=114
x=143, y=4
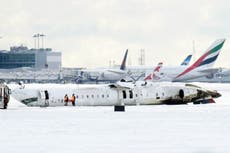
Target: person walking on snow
x=66, y=99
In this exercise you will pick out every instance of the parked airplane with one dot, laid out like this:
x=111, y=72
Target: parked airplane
x=119, y=93
x=201, y=67
x=106, y=74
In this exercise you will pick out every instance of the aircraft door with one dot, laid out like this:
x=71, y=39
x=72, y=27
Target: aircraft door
x=44, y=97
x=4, y=96
x=127, y=97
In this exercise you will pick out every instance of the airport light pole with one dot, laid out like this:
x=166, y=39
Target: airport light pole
x=38, y=40
x=35, y=37
x=42, y=36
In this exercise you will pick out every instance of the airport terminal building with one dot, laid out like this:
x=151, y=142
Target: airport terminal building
x=34, y=65
x=21, y=56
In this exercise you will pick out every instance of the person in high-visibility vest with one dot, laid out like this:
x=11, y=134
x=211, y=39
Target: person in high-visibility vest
x=73, y=98
x=66, y=99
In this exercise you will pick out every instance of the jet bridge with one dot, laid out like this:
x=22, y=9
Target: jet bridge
x=4, y=96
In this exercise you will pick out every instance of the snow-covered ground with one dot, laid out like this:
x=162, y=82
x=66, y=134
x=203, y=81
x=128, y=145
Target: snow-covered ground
x=140, y=129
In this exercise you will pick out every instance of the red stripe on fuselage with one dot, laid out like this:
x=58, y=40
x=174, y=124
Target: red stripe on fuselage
x=196, y=64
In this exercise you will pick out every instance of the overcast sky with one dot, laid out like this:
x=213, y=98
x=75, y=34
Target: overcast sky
x=90, y=33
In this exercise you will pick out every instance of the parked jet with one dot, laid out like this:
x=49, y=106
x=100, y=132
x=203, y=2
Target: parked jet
x=201, y=67
x=119, y=93
x=105, y=75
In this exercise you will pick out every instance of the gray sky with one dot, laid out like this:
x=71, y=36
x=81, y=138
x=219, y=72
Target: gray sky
x=89, y=33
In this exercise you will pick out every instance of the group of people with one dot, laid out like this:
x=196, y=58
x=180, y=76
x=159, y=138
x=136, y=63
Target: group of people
x=67, y=99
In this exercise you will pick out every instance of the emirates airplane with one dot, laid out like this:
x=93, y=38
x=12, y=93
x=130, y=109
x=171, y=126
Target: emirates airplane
x=203, y=66
x=119, y=93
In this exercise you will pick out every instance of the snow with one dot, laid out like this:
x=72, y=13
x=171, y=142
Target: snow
x=160, y=129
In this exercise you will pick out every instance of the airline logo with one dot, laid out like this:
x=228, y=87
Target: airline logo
x=208, y=58
x=153, y=76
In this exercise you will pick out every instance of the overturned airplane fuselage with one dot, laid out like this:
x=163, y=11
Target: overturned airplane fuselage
x=120, y=93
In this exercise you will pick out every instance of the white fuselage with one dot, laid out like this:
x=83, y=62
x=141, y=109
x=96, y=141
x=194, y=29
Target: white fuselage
x=169, y=73
x=143, y=93
x=110, y=74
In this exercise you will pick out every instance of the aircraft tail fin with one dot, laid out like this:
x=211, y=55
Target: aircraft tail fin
x=123, y=64
x=207, y=59
x=153, y=75
x=186, y=60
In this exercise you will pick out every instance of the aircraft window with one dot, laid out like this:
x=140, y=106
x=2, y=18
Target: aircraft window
x=136, y=95
x=102, y=96
x=92, y=96
x=124, y=94
x=156, y=94
x=107, y=96
x=62, y=101
x=97, y=96
x=77, y=96
x=130, y=94
x=82, y=96
x=163, y=94
x=87, y=96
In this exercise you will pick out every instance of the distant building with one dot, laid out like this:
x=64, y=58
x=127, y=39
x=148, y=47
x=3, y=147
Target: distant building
x=21, y=56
